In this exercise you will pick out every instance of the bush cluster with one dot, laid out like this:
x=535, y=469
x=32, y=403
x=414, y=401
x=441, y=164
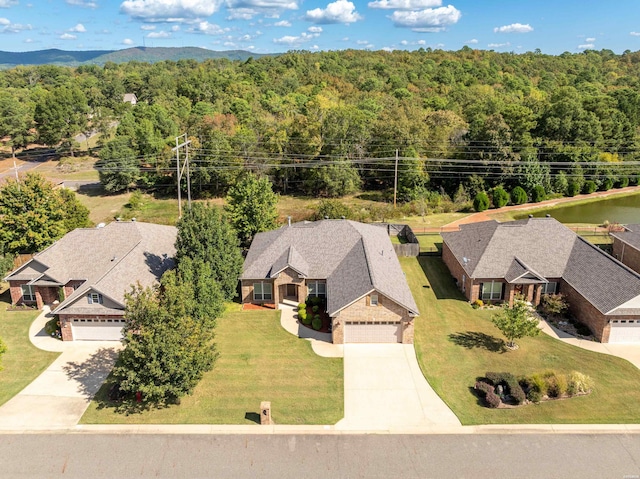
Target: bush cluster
x=317, y=322
x=510, y=383
x=478, y=303
x=487, y=392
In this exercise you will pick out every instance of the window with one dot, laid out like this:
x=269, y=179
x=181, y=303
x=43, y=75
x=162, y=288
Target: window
x=28, y=293
x=262, y=291
x=491, y=291
x=95, y=298
x=317, y=288
x=550, y=288
x=373, y=299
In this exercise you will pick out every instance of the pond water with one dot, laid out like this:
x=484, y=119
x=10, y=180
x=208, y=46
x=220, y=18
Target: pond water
x=622, y=210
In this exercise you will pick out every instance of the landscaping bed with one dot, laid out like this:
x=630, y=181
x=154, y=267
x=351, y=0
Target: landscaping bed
x=313, y=314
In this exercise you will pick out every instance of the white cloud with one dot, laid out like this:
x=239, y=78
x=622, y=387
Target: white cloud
x=282, y=23
x=404, y=4
x=160, y=34
x=387, y=49
x=82, y=3
x=28, y=40
x=473, y=41
x=590, y=39
x=264, y=4
x=79, y=28
x=404, y=42
x=127, y=41
x=7, y=27
x=586, y=46
x=175, y=28
x=315, y=29
x=7, y=3
x=147, y=27
x=315, y=47
x=514, y=28
x=421, y=42
x=242, y=14
x=340, y=11
x=634, y=34
x=208, y=29
x=304, y=37
x=499, y=45
x=428, y=20
x=169, y=10
x=68, y=36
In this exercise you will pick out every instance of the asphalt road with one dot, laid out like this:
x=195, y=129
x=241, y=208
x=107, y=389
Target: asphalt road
x=493, y=456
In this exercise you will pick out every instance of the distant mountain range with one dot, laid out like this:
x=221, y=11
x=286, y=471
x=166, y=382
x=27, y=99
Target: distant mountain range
x=100, y=57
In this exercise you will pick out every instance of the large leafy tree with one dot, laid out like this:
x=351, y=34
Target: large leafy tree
x=251, y=205
x=118, y=167
x=516, y=322
x=61, y=114
x=16, y=118
x=206, y=235
x=167, y=351
x=33, y=214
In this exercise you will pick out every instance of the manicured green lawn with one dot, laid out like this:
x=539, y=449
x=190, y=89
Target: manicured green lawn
x=22, y=362
x=259, y=361
x=455, y=344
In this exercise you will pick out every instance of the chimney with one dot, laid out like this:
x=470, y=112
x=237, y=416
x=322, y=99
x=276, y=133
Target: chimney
x=289, y=220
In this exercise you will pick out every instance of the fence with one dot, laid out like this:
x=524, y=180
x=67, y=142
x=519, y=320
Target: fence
x=411, y=247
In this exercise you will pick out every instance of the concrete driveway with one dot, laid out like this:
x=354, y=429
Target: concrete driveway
x=384, y=389
x=60, y=395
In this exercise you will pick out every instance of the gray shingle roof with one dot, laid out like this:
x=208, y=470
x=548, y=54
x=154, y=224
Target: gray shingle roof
x=107, y=259
x=631, y=236
x=546, y=248
x=354, y=258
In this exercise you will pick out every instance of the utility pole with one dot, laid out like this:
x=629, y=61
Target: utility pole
x=395, y=182
x=180, y=169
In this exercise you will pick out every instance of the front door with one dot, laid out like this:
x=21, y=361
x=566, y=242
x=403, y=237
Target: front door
x=291, y=291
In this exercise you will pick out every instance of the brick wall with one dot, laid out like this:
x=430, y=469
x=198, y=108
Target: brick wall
x=471, y=289
x=586, y=313
x=46, y=295
x=626, y=254
x=288, y=276
x=69, y=288
x=15, y=288
x=361, y=310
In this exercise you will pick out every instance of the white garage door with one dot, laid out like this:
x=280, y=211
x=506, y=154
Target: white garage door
x=370, y=332
x=97, y=329
x=625, y=331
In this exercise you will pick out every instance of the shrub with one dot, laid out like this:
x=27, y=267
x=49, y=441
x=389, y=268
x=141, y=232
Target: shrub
x=315, y=301
x=623, y=182
x=487, y=391
x=135, y=200
x=556, y=384
x=509, y=382
x=518, y=196
x=483, y=388
x=500, y=197
x=578, y=383
x=302, y=316
x=493, y=400
x=554, y=304
x=574, y=188
x=589, y=187
x=315, y=308
x=582, y=329
x=481, y=202
x=317, y=322
x=537, y=382
x=538, y=194
x=534, y=395
x=607, y=184
x=302, y=307
x=478, y=303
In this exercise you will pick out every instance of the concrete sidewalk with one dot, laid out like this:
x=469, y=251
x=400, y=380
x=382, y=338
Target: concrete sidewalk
x=321, y=343
x=60, y=395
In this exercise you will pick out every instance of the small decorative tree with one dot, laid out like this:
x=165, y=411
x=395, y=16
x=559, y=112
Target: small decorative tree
x=500, y=197
x=516, y=322
x=538, y=194
x=554, y=304
x=481, y=201
x=518, y=196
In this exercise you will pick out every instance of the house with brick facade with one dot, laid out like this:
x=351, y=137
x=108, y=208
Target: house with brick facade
x=352, y=266
x=626, y=246
x=495, y=262
x=84, y=275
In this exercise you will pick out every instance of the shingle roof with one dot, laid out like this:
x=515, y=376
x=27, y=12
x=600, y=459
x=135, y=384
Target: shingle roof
x=546, y=248
x=354, y=258
x=631, y=236
x=107, y=259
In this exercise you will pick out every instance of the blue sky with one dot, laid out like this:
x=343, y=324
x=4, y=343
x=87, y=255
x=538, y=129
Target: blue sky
x=265, y=26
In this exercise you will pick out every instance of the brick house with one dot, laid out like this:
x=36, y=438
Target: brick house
x=84, y=275
x=626, y=246
x=495, y=261
x=351, y=265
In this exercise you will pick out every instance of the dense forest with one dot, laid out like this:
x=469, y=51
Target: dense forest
x=332, y=123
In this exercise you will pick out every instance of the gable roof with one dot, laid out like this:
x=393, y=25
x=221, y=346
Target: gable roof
x=107, y=259
x=543, y=248
x=630, y=236
x=353, y=257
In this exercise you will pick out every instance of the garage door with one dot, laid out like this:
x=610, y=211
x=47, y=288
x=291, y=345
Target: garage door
x=625, y=331
x=370, y=332
x=97, y=329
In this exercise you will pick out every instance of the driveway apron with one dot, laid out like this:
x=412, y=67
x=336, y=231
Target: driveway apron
x=61, y=394
x=385, y=389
